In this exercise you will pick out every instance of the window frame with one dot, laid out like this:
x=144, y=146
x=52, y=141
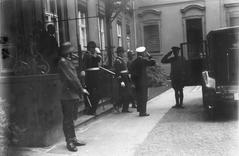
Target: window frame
x=82, y=26
x=128, y=36
x=101, y=31
x=119, y=34
x=49, y=16
x=152, y=23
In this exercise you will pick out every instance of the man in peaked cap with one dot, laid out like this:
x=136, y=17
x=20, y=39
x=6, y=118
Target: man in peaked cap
x=139, y=77
x=71, y=88
x=123, y=81
x=91, y=61
x=177, y=74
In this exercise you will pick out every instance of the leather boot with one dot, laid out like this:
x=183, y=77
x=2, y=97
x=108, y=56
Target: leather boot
x=71, y=146
x=77, y=142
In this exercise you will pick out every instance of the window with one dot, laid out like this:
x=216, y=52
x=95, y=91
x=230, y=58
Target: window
x=119, y=34
x=50, y=15
x=232, y=14
x=101, y=33
x=82, y=29
x=234, y=20
x=128, y=36
x=151, y=38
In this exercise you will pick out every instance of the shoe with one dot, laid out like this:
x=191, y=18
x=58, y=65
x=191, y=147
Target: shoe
x=77, y=142
x=144, y=114
x=117, y=110
x=126, y=111
x=71, y=146
x=181, y=106
x=176, y=106
x=134, y=106
x=91, y=113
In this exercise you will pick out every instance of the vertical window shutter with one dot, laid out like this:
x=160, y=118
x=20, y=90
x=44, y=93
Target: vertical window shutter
x=151, y=38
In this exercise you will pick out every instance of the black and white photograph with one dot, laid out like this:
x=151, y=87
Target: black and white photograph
x=119, y=77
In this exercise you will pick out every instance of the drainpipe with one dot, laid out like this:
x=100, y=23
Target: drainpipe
x=135, y=33
x=109, y=32
x=77, y=30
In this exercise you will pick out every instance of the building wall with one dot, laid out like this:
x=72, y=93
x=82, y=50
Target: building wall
x=93, y=22
x=72, y=8
x=171, y=18
x=93, y=10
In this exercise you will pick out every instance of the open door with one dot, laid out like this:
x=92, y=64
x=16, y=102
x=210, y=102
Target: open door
x=193, y=65
x=193, y=51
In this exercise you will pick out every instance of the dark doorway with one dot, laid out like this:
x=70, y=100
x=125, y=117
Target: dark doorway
x=194, y=37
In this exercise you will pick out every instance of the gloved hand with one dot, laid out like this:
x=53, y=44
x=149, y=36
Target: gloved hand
x=122, y=84
x=85, y=92
x=82, y=73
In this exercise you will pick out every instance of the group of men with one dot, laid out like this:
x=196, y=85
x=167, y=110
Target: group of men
x=131, y=80
x=130, y=77
x=73, y=87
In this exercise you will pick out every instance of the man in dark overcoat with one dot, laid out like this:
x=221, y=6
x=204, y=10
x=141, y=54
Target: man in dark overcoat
x=139, y=77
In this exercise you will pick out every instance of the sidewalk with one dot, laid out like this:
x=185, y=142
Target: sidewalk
x=110, y=129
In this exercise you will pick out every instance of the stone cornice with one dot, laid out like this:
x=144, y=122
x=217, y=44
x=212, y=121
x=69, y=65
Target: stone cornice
x=167, y=4
x=193, y=6
x=229, y=5
x=150, y=11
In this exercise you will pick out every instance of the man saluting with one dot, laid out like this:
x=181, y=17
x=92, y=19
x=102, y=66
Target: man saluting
x=177, y=74
x=139, y=77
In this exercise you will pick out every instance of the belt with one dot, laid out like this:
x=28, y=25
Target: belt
x=92, y=69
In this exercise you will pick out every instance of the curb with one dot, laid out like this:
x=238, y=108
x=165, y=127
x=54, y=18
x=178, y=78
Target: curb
x=91, y=118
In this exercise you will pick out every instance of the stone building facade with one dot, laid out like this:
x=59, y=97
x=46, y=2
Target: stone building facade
x=172, y=22
x=78, y=21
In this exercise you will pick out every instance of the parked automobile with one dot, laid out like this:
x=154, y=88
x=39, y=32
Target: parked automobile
x=215, y=67
x=221, y=69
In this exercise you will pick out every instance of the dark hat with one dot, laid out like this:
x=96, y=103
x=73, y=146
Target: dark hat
x=91, y=44
x=130, y=52
x=120, y=50
x=175, y=48
x=67, y=48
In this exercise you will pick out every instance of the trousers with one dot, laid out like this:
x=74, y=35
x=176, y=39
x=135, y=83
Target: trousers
x=68, y=110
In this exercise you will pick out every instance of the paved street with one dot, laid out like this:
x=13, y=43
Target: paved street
x=189, y=132
x=166, y=131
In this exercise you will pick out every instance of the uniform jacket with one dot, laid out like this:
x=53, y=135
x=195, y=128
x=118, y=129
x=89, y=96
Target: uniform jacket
x=139, y=77
x=119, y=65
x=71, y=85
x=177, y=66
x=138, y=71
x=89, y=61
x=122, y=75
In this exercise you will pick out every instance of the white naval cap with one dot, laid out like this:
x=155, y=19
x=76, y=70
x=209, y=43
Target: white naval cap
x=140, y=49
